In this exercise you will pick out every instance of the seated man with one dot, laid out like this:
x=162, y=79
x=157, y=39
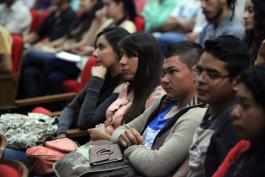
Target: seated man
x=15, y=17
x=5, y=52
x=223, y=59
x=157, y=142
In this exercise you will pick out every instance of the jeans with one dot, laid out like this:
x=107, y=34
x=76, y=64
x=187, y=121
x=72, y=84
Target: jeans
x=32, y=66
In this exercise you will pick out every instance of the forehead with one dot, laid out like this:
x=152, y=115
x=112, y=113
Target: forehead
x=208, y=61
x=102, y=39
x=243, y=91
x=174, y=61
x=248, y=3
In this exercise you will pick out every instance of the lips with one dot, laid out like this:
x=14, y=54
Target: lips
x=201, y=91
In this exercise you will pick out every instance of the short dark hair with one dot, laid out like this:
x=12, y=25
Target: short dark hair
x=189, y=52
x=230, y=50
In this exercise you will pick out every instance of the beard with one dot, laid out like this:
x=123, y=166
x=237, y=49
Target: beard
x=215, y=17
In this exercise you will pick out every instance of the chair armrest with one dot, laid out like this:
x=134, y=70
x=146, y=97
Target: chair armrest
x=74, y=133
x=45, y=99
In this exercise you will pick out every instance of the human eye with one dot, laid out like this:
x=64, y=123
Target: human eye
x=213, y=74
x=243, y=102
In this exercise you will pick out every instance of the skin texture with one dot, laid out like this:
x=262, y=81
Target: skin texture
x=112, y=8
x=104, y=53
x=128, y=65
x=248, y=116
x=248, y=15
x=218, y=90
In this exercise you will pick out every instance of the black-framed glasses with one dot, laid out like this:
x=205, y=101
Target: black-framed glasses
x=209, y=74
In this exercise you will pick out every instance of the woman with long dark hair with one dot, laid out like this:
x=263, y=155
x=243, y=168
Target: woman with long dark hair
x=140, y=65
x=247, y=158
x=255, y=25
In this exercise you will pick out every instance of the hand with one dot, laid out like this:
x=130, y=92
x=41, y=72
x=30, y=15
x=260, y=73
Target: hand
x=101, y=14
x=99, y=133
x=99, y=71
x=130, y=137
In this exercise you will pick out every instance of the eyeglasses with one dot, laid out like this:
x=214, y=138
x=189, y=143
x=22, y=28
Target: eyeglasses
x=208, y=74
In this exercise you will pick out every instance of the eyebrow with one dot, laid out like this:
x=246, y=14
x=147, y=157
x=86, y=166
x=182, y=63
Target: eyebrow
x=170, y=67
x=208, y=70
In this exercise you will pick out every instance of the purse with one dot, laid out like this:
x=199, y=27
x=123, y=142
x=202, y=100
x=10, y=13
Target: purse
x=80, y=162
x=41, y=158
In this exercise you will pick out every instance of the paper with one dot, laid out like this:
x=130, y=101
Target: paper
x=68, y=57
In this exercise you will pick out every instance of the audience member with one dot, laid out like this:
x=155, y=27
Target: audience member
x=105, y=78
x=221, y=20
x=55, y=25
x=5, y=52
x=140, y=64
x=254, y=25
x=15, y=17
x=157, y=12
x=87, y=108
x=223, y=59
x=247, y=160
x=157, y=141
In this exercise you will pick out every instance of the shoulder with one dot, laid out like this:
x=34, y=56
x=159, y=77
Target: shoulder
x=128, y=25
x=120, y=87
x=194, y=115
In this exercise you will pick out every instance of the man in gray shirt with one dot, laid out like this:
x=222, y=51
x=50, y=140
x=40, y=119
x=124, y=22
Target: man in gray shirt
x=221, y=20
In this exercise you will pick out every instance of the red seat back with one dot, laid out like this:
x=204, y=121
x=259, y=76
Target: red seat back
x=37, y=18
x=17, y=47
x=74, y=85
x=139, y=23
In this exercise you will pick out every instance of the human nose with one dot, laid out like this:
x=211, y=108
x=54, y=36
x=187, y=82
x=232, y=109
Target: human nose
x=123, y=60
x=235, y=114
x=164, y=79
x=95, y=52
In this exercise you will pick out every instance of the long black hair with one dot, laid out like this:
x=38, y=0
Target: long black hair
x=257, y=35
x=146, y=79
x=129, y=9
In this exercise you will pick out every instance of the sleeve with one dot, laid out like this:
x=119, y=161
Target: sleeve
x=165, y=160
x=70, y=113
x=88, y=113
x=5, y=42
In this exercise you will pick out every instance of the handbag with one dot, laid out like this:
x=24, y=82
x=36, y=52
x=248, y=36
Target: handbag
x=41, y=158
x=79, y=162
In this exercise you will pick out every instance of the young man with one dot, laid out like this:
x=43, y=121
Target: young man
x=221, y=62
x=221, y=20
x=15, y=17
x=157, y=142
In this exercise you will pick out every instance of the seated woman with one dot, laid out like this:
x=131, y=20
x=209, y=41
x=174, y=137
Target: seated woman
x=34, y=59
x=105, y=78
x=140, y=64
x=247, y=158
x=43, y=81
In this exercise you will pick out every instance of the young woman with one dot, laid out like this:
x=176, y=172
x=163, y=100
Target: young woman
x=89, y=102
x=140, y=64
x=247, y=158
x=88, y=108
x=254, y=25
